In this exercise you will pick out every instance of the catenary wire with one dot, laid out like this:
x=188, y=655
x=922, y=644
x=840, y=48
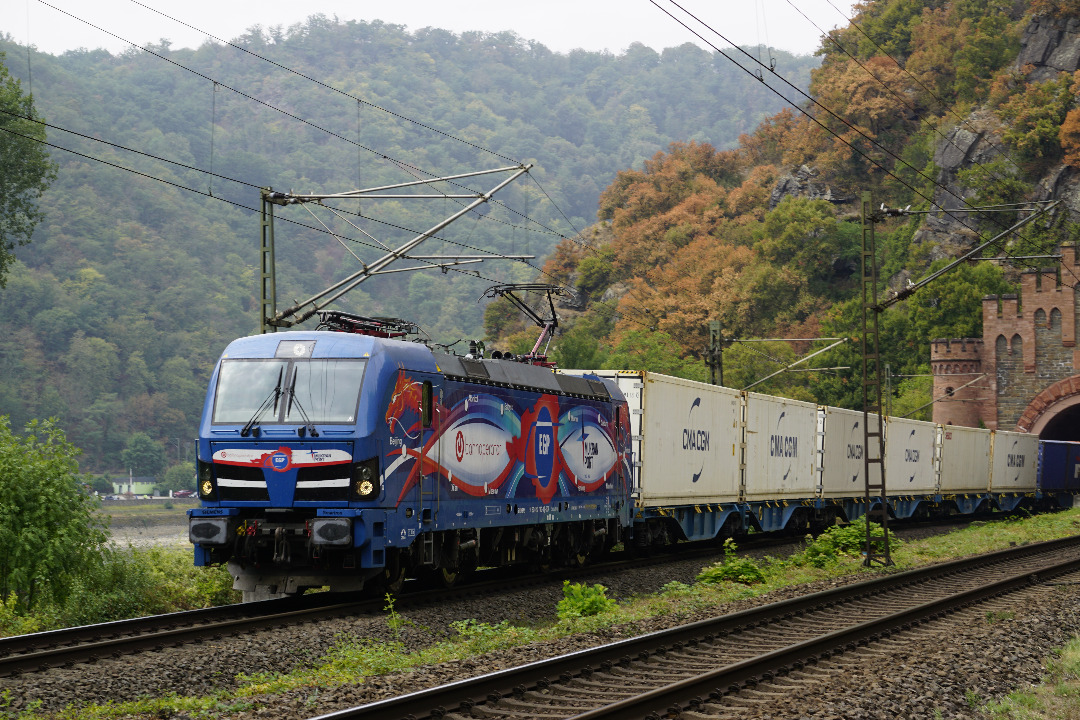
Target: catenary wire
x=361, y=101
x=818, y=122
x=330, y=87
x=467, y=273
x=381, y=155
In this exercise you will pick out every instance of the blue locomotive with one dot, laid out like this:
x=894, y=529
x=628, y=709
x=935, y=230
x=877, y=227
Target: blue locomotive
x=341, y=459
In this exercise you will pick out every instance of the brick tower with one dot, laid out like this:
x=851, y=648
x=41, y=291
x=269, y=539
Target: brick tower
x=959, y=382
x=1025, y=360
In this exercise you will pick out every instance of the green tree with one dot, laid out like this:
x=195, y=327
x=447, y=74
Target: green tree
x=179, y=477
x=101, y=484
x=48, y=528
x=143, y=456
x=25, y=169
x=654, y=351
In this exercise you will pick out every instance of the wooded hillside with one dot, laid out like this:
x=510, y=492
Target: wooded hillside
x=135, y=281
x=940, y=106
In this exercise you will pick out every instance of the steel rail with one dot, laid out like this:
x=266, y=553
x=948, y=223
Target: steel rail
x=40, y=651
x=465, y=694
x=689, y=693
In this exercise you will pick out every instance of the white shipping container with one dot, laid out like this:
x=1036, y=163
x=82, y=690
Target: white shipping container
x=843, y=471
x=1015, y=462
x=690, y=435
x=965, y=460
x=909, y=457
x=780, y=456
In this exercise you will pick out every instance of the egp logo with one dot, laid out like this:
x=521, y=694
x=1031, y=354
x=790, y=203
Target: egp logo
x=459, y=446
x=280, y=461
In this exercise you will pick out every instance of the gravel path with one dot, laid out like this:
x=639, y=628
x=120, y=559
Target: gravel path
x=935, y=673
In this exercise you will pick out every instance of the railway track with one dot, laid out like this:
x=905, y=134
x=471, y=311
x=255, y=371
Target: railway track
x=714, y=668
x=26, y=654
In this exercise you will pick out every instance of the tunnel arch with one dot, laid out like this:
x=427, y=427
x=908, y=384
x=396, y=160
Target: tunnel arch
x=1054, y=414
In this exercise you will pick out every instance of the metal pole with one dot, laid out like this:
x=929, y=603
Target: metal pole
x=715, y=354
x=268, y=276
x=873, y=420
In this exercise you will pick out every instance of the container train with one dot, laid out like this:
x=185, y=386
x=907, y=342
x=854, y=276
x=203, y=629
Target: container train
x=351, y=460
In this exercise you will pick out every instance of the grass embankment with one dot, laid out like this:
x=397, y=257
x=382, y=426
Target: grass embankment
x=1058, y=698
x=131, y=582
x=834, y=555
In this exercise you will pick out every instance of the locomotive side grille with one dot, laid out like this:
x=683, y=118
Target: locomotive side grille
x=327, y=483
x=475, y=368
x=238, y=482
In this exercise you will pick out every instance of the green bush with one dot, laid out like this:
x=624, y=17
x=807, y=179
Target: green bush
x=732, y=568
x=11, y=622
x=838, y=541
x=50, y=532
x=126, y=584
x=582, y=601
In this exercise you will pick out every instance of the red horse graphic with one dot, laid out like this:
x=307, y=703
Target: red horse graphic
x=407, y=396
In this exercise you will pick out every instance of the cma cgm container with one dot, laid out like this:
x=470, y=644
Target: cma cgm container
x=965, y=468
x=780, y=448
x=1015, y=464
x=909, y=458
x=843, y=465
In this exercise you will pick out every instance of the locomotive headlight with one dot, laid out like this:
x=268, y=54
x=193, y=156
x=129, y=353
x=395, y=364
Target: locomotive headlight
x=207, y=490
x=365, y=480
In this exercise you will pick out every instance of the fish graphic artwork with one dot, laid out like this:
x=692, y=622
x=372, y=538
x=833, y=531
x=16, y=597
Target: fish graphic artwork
x=481, y=446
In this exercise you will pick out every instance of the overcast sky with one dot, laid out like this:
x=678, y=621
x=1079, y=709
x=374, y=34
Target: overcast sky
x=561, y=25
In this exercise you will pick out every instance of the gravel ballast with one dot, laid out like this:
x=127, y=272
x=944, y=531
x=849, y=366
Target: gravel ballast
x=940, y=671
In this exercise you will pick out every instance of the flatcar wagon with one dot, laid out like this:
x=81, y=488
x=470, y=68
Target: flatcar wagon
x=714, y=462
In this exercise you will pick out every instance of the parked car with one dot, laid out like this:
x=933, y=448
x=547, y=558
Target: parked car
x=183, y=494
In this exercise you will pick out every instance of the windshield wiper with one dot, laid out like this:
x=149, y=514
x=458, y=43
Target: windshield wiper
x=273, y=397
x=308, y=426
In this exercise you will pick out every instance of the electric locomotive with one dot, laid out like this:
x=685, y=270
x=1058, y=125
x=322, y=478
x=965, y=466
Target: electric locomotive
x=346, y=459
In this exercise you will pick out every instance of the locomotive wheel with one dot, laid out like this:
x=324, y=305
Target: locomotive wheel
x=573, y=554
x=447, y=577
x=393, y=577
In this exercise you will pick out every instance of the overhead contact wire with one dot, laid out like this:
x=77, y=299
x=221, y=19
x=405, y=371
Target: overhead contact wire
x=822, y=125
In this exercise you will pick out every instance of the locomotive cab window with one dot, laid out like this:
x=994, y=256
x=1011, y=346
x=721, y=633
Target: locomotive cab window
x=326, y=390
x=281, y=391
